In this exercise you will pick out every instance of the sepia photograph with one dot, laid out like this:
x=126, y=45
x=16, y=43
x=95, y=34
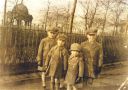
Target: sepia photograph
x=63, y=44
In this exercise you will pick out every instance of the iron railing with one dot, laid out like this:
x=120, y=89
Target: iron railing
x=18, y=48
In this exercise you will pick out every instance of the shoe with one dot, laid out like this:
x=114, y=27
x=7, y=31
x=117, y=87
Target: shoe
x=43, y=85
x=61, y=86
x=90, y=81
x=51, y=86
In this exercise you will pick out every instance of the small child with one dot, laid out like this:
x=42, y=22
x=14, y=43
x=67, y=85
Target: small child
x=57, y=61
x=75, y=67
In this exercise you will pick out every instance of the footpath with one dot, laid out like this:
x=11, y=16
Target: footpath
x=111, y=78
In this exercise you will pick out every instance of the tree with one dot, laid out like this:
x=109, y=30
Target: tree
x=47, y=13
x=117, y=11
x=90, y=11
x=72, y=16
x=86, y=11
x=93, y=14
x=5, y=7
x=106, y=4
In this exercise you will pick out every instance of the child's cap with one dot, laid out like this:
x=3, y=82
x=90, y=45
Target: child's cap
x=62, y=37
x=75, y=47
x=92, y=31
x=53, y=29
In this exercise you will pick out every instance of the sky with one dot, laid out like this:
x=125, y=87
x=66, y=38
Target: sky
x=34, y=6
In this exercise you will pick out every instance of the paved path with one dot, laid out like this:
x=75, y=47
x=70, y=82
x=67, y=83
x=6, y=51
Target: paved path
x=112, y=77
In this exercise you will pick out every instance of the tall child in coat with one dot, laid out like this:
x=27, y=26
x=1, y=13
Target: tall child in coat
x=44, y=47
x=94, y=54
x=57, y=61
x=75, y=67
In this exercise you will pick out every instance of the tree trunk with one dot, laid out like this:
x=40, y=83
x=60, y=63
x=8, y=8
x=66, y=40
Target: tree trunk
x=105, y=18
x=57, y=17
x=5, y=7
x=47, y=15
x=72, y=16
x=86, y=18
x=93, y=16
x=21, y=1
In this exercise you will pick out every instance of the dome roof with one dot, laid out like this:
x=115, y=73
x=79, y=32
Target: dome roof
x=20, y=9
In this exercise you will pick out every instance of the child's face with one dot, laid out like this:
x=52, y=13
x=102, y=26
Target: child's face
x=51, y=34
x=91, y=38
x=74, y=53
x=60, y=42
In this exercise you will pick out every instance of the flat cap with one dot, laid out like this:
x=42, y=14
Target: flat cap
x=62, y=37
x=91, y=31
x=53, y=29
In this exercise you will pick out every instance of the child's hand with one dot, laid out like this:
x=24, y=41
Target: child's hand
x=79, y=79
x=39, y=63
x=44, y=68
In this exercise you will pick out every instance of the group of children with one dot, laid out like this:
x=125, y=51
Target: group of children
x=57, y=63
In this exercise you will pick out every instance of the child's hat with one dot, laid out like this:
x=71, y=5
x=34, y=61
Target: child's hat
x=75, y=47
x=92, y=31
x=62, y=37
x=53, y=29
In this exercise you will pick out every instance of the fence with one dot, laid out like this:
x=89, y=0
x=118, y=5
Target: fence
x=19, y=48
x=115, y=48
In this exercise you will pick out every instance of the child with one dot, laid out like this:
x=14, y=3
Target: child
x=75, y=67
x=94, y=54
x=45, y=45
x=56, y=61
